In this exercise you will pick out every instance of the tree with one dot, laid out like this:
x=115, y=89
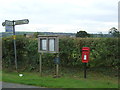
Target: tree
x=25, y=35
x=100, y=34
x=114, y=32
x=36, y=34
x=82, y=34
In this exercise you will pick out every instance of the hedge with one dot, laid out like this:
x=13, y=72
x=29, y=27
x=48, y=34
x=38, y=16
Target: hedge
x=103, y=52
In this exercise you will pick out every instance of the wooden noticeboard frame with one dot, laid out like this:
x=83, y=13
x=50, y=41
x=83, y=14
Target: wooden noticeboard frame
x=48, y=44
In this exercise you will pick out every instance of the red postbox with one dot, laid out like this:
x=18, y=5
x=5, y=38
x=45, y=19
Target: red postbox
x=85, y=54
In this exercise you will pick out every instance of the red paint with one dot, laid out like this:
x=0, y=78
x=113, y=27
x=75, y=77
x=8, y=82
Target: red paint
x=85, y=54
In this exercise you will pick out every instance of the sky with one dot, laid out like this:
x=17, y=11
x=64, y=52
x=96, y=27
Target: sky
x=68, y=16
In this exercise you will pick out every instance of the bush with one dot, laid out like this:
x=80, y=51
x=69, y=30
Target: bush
x=103, y=53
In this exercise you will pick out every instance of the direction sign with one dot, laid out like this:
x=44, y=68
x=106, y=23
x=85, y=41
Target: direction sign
x=9, y=30
x=3, y=23
x=24, y=21
x=9, y=23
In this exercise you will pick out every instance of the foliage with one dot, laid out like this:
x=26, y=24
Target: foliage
x=36, y=34
x=113, y=31
x=82, y=34
x=103, y=53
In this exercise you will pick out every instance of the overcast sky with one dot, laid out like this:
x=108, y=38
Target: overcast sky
x=93, y=16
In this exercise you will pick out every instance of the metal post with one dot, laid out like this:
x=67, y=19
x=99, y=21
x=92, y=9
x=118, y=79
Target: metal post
x=40, y=64
x=14, y=37
x=85, y=70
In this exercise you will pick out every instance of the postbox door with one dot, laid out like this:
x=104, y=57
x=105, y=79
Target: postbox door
x=85, y=57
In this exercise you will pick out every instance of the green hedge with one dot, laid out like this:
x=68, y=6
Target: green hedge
x=103, y=52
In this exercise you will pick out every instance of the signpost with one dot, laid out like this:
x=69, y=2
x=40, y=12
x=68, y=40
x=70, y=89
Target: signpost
x=14, y=38
x=85, y=58
x=48, y=44
x=10, y=27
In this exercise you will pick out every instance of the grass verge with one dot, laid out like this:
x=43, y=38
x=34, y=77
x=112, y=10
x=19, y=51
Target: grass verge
x=0, y=75
x=95, y=80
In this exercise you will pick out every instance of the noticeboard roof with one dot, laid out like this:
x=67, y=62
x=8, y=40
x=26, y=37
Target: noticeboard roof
x=47, y=35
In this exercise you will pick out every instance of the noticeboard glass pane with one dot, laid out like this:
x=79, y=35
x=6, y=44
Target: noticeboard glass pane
x=43, y=44
x=51, y=44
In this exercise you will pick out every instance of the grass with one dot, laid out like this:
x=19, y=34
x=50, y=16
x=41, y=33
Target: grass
x=94, y=80
x=0, y=75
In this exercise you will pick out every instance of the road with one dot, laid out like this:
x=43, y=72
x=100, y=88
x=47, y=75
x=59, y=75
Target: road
x=14, y=85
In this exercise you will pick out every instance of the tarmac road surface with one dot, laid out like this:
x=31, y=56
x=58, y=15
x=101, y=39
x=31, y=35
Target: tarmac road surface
x=14, y=85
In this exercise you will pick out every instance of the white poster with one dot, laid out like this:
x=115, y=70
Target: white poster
x=44, y=44
x=51, y=44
